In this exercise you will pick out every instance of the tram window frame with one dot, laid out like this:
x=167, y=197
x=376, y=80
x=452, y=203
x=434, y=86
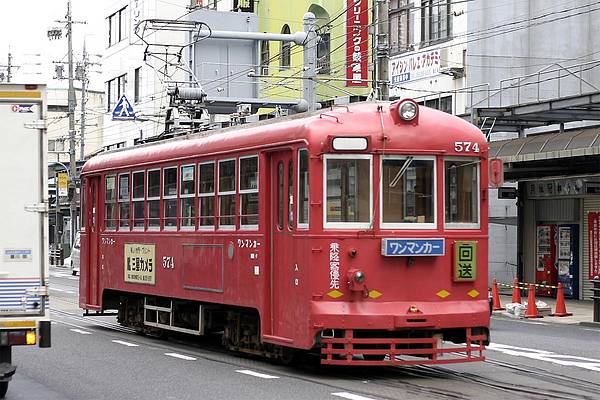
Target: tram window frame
x=303, y=201
x=184, y=199
x=347, y=225
x=434, y=195
x=153, y=222
x=476, y=201
x=247, y=192
x=290, y=194
x=169, y=199
x=228, y=193
x=209, y=196
x=112, y=226
x=124, y=202
x=136, y=200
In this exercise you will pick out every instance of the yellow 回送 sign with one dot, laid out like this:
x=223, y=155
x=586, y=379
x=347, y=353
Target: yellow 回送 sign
x=140, y=263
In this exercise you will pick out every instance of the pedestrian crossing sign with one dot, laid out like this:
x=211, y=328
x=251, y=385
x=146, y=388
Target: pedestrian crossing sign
x=123, y=111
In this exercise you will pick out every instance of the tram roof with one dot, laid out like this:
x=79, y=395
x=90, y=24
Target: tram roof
x=436, y=132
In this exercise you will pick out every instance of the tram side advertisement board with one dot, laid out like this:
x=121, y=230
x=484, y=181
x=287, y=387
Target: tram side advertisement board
x=594, y=243
x=140, y=263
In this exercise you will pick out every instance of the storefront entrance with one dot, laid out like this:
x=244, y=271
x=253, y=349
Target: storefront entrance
x=557, y=259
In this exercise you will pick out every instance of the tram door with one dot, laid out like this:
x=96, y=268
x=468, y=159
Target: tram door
x=88, y=283
x=282, y=246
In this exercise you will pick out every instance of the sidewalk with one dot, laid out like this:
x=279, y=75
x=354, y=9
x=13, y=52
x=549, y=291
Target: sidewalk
x=583, y=311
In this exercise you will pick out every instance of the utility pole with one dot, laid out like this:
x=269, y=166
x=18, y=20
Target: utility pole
x=71, y=111
x=84, y=81
x=310, y=61
x=9, y=67
x=382, y=50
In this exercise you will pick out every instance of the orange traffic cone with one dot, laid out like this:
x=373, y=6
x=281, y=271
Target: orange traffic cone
x=561, y=308
x=496, y=306
x=516, y=296
x=532, y=311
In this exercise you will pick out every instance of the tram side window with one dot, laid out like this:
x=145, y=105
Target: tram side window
x=462, y=194
x=206, y=193
x=170, y=197
x=110, y=199
x=138, y=199
x=303, y=188
x=153, y=196
x=407, y=186
x=187, y=196
x=249, y=191
x=124, y=206
x=348, y=190
x=227, y=194
x=290, y=211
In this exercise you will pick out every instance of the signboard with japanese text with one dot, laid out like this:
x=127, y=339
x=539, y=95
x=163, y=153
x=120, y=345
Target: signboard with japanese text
x=465, y=261
x=243, y=5
x=412, y=247
x=62, y=183
x=140, y=263
x=594, y=243
x=357, y=40
x=415, y=66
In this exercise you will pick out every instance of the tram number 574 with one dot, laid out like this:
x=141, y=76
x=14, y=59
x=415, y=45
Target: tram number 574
x=465, y=147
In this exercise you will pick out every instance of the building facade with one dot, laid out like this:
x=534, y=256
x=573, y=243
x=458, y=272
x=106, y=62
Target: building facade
x=344, y=51
x=428, y=50
x=538, y=85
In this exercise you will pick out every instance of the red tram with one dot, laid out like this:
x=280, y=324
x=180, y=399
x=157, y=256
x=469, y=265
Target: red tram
x=356, y=233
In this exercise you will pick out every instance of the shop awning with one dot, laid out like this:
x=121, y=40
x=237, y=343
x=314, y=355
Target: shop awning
x=575, y=143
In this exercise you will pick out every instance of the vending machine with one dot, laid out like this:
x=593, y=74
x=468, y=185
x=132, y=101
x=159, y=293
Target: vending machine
x=568, y=258
x=545, y=272
x=557, y=259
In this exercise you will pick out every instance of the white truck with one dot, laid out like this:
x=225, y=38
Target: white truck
x=24, y=307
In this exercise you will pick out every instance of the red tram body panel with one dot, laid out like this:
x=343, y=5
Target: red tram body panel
x=359, y=233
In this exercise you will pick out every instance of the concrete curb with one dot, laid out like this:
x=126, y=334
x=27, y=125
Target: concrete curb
x=591, y=324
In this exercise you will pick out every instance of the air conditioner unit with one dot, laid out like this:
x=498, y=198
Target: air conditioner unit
x=244, y=109
x=444, y=58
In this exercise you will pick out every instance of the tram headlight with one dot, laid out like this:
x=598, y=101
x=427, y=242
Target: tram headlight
x=408, y=110
x=359, y=277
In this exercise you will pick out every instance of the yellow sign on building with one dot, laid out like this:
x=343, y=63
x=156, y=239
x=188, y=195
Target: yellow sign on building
x=140, y=263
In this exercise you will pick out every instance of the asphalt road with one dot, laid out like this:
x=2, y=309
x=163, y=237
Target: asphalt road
x=95, y=358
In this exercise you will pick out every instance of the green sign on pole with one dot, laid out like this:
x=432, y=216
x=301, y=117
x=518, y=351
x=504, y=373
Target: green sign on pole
x=465, y=261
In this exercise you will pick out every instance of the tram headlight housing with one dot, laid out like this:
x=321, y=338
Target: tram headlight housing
x=408, y=110
x=359, y=277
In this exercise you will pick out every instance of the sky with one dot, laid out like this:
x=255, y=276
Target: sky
x=23, y=29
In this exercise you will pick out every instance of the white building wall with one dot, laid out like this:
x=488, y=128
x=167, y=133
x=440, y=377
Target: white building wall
x=127, y=55
x=58, y=123
x=434, y=81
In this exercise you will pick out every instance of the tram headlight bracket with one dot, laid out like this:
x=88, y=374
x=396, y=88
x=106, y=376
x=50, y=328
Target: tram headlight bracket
x=405, y=111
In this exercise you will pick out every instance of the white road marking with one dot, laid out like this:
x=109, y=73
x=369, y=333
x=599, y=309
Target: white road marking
x=69, y=292
x=125, y=343
x=351, y=396
x=81, y=331
x=73, y=278
x=257, y=374
x=180, y=356
x=543, y=355
x=56, y=289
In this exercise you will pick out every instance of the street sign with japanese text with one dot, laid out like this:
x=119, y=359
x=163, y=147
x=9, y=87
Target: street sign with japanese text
x=465, y=261
x=62, y=183
x=412, y=247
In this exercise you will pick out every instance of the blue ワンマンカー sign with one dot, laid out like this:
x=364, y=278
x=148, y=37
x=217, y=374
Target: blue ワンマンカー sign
x=412, y=247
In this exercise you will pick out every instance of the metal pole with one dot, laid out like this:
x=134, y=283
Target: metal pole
x=9, y=68
x=83, y=101
x=383, y=50
x=310, y=61
x=71, y=112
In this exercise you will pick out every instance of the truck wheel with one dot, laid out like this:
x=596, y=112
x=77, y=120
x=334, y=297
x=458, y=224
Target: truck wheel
x=3, y=389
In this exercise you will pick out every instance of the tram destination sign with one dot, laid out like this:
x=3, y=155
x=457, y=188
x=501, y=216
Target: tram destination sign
x=412, y=247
